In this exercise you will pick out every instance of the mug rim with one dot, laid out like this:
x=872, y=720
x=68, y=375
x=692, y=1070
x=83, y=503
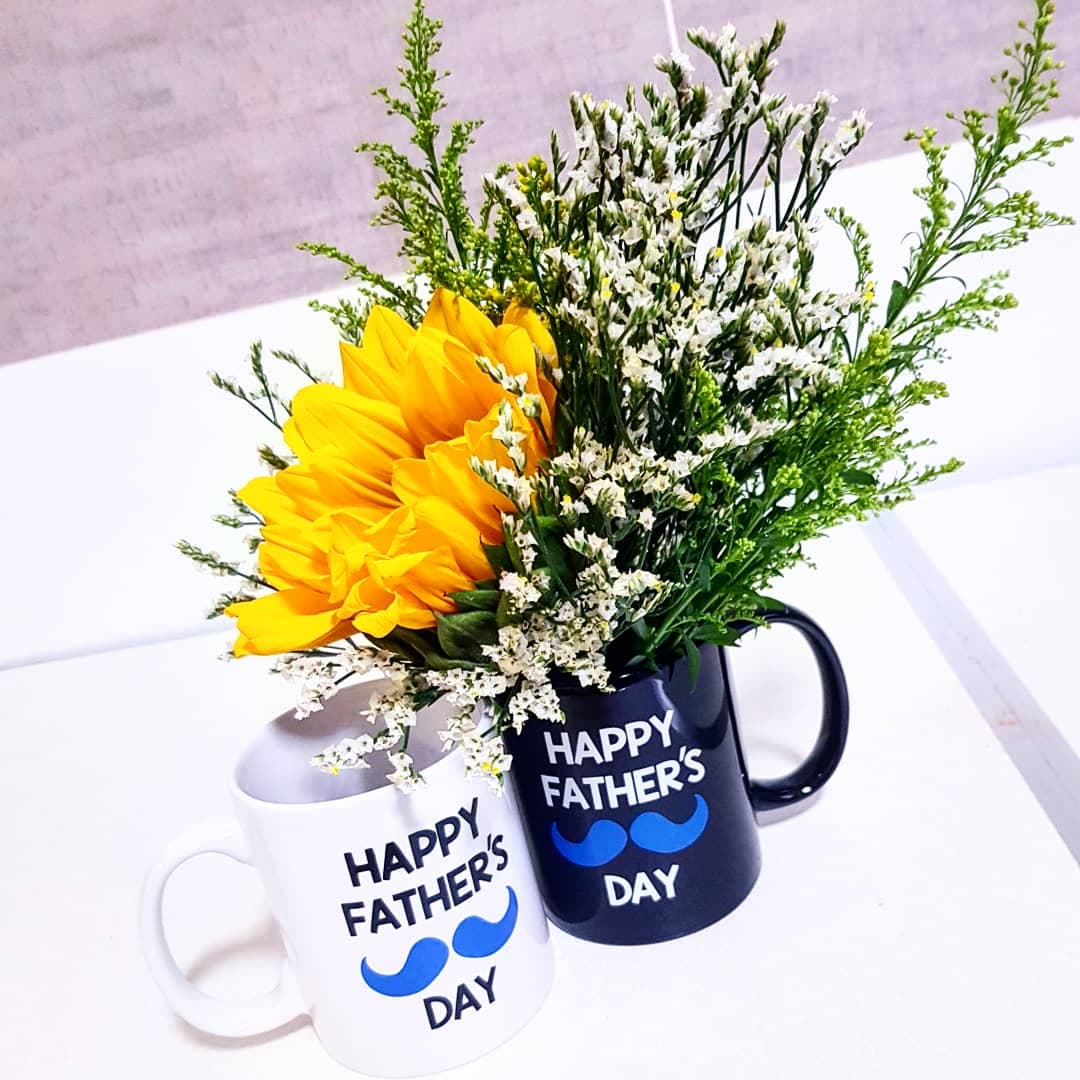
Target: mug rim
x=245, y=797
x=566, y=686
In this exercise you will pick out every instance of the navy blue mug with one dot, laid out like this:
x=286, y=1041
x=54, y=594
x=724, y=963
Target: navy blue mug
x=639, y=811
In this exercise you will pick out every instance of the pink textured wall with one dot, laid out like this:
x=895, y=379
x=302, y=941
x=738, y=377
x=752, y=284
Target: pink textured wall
x=158, y=161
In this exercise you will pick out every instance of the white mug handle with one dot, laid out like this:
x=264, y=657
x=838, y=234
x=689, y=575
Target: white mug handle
x=207, y=1013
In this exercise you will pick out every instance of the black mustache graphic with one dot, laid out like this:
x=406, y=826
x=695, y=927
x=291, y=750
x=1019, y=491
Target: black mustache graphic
x=474, y=938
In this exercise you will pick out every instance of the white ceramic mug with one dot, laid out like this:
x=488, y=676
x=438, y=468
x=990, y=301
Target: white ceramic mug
x=415, y=935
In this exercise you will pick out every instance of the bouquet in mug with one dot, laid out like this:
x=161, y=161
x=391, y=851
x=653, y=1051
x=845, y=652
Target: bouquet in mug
x=598, y=416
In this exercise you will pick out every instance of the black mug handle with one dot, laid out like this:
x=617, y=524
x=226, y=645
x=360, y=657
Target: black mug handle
x=827, y=751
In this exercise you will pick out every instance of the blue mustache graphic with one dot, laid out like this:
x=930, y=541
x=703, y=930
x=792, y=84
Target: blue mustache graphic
x=474, y=938
x=422, y=966
x=604, y=840
x=654, y=832
x=650, y=831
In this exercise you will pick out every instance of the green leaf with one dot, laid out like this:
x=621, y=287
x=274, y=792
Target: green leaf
x=716, y=634
x=693, y=659
x=553, y=554
x=898, y=297
x=414, y=646
x=859, y=478
x=477, y=599
x=503, y=615
x=498, y=558
x=768, y=603
x=462, y=635
x=418, y=647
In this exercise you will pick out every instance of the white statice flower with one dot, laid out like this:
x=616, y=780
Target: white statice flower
x=608, y=497
x=657, y=482
x=459, y=728
x=638, y=372
x=531, y=404
x=388, y=738
x=522, y=537
x=570, y=509
x=591, y=546
x=635, y=583
x=315, y=679
x=522, y=592
x=646, y=518
x=348, y=753
x=524, y=216
x=404, y=777
x=488, y=760
x=505, y=433
x=538, y=699
x=511, y=654
x=851, y=131
x=734, y=437
x=512, y=384
x=464, y=687
x=682, y=498
x=787, y=360
x=515, y=487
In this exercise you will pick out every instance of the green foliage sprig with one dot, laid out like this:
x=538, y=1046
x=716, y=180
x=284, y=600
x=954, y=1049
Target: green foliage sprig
x=834, y=448
x=422, y=194
x=717, y=409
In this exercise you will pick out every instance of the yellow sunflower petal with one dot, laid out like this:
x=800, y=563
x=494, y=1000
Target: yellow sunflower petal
x=285, y=621
x=461, y=319
x=380, y=621
x=268, y=500
x=445, y=471
x=366, y=430
x=441, y=521
x=382, y=517
x=381, y=609
x=445, y=388
x=436, y=576
x=525, y=317
x=290, y=557
x=376, y=367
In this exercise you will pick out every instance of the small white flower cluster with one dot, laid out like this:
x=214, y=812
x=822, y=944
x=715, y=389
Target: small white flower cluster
x=485, y=755
x=513, y=384
x=646, y=286
x=788, y=360
x=315, y=679
x=622, y=483
x=395, y=707
x=509, y=436
x=735, y=437
x=404, y=775
x=349, y=753
x=517, y=488
x=318, y=678
x=664, y=290
x=352, y=752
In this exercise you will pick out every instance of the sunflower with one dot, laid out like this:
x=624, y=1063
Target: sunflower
x=382, y=515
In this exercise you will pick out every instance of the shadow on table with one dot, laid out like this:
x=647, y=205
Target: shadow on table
x=265, y=940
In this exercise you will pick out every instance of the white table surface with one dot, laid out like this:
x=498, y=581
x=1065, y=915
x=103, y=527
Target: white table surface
x=1009, y=550
x=118, y=449
x=919, y=920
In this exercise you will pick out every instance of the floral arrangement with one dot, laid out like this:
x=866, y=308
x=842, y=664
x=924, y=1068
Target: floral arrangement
x=594, y=420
